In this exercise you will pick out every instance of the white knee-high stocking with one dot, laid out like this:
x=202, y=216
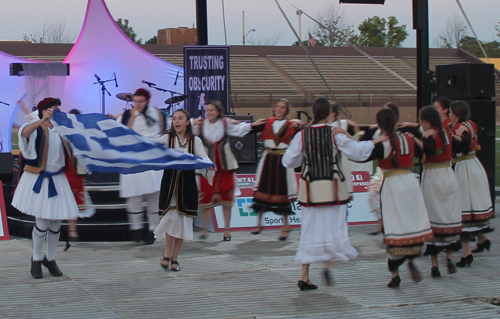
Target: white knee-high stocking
x=39, y=234
x=53, y=239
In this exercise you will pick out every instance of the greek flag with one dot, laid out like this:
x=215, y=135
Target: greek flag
x=104, y=145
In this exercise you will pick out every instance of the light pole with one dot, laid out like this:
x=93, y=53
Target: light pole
x=244, y=36
x=299, y=13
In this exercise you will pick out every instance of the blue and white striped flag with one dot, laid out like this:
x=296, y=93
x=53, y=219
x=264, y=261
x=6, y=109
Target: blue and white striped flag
x=104, y=145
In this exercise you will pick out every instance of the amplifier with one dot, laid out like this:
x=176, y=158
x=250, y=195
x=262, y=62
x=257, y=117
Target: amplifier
x=244, y=148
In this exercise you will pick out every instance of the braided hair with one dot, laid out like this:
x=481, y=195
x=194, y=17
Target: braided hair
x=322, y=108
x=386, y=120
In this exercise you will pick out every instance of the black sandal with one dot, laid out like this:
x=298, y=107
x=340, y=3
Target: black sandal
x=175, y=263
x=164, y=259
x=283, y=238
x=224, y=238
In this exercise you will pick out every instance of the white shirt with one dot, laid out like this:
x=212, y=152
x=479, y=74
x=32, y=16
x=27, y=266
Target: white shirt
x=356, y=151
x=140, y=125
x=214, y=132
x=55, y=155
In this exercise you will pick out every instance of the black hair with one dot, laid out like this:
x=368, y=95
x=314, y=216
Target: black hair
x=394, y=108
x=461, y=110
x=430, y=114
x=387, y=121
x=444, y=102
x=54, y=102
x=321, y=109
x=74, y=111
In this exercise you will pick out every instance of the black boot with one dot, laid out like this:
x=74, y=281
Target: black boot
x=451, y=266
x=465, y=261
x=36, y=269
x=52, y=267
x=435, y=273
x=150, y=238
x=481, y=247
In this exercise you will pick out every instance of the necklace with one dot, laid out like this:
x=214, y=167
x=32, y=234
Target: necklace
x=182, y=145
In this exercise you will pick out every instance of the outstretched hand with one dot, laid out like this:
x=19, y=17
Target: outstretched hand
x=429, y=133
x=338, y=130
x=381, y=138
x=259, y=122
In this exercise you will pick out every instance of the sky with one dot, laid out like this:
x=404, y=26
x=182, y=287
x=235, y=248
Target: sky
x=26, y=16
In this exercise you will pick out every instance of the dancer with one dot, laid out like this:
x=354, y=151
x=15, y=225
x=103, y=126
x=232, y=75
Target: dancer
x=275, y=186
x=442, y=104
x=406, y=224
x=43, y=190
x=147, y=121
x=476, y=206
x=179, y=192
x=440, y=189
x=214, y=132
x=323, y=192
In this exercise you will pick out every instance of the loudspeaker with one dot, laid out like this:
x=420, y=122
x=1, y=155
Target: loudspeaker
x=465, y=80
x=6, y=167
x=483, y=113
x=244, y=148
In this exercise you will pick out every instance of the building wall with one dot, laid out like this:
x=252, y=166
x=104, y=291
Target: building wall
x=181, y=35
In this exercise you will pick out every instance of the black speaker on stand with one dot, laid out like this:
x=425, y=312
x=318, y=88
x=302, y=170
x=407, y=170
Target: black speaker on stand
x=474, y=83
x=244, y=148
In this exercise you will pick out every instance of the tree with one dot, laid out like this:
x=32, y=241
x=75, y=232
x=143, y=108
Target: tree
x=153, y=40
x=456, y=31
x=470, y=45
x=272, y=40
x=305, y=42
x=51, y=32
x=379, y=32
x=128, y=30
x=336, y=29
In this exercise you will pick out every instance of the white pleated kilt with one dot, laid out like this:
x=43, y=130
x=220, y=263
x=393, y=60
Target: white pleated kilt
x=474, y=193
x=140, y=183
x=176, y=225
x=60, y=207
x=324, y=235
x=403, y=211
x=441, y=197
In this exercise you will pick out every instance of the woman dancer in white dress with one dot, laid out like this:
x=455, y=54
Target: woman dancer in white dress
x=179, y=192
x=214, y=132
x=275, y=186
x=323, y=191
x=440, y=189
x=477, y=209
x=43, y=190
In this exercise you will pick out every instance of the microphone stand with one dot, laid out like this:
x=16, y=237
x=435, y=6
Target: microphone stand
x=171, y=94
x=4, y=103
x=104, y=91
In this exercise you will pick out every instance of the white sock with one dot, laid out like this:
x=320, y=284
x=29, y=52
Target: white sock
x=136, y=220
x=153, y=220
x=39, y=234
x=53, y=239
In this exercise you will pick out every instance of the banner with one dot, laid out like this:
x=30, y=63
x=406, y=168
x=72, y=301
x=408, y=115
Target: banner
x=4, y=229
x=243, y=217
x=206, y=77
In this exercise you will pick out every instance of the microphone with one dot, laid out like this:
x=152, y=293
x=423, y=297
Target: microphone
x=116, y=83
x=98, y=78
x=149, y=83
x=176, y=77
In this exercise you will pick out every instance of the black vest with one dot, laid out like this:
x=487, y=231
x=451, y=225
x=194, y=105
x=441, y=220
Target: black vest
x=182, y=183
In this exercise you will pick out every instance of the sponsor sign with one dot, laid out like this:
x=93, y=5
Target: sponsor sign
x=244, y=217
x=4, y=230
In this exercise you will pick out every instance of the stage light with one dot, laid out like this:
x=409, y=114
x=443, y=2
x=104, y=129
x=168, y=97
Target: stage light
x=363, y=1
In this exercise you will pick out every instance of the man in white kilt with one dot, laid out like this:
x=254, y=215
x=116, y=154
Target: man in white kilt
x=43, y=190
x=142, y=187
